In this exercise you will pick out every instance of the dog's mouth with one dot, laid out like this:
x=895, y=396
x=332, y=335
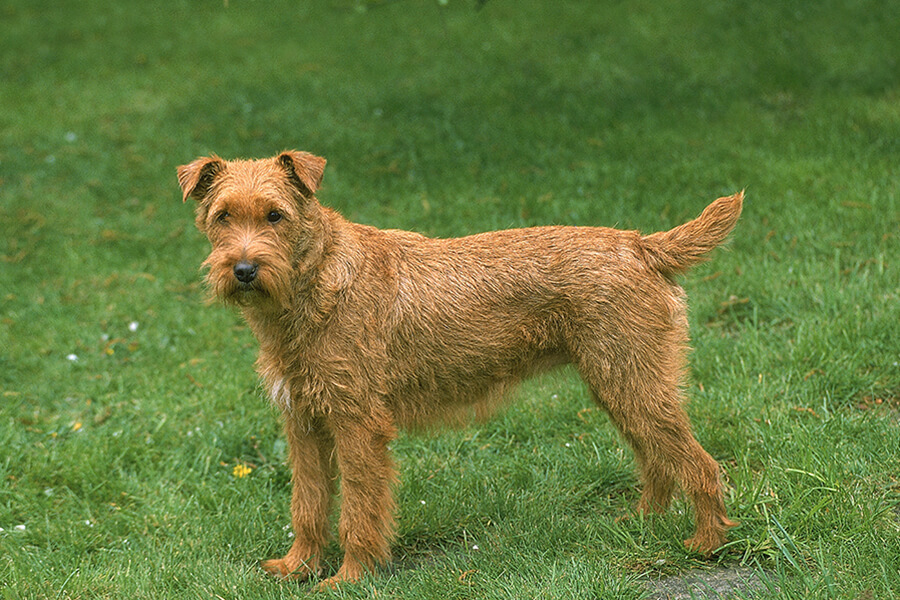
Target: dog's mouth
x=243, y=292
x=243, y=288
x=228, y=289
x=244, y=282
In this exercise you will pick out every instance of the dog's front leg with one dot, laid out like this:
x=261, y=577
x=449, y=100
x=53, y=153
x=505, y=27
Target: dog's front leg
x=311, y=450
x=367, y=506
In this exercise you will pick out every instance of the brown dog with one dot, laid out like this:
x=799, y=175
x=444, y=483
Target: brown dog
x=362, y=331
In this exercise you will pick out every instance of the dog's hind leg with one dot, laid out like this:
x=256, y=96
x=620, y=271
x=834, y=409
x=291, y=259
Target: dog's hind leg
x=642, y=395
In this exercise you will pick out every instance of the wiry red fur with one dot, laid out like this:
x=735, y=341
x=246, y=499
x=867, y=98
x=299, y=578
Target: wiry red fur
x=362, y=331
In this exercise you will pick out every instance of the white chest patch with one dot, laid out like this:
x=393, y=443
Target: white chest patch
x=280, y=393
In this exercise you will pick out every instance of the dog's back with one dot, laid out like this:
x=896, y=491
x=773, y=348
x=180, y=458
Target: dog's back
x=465, y=317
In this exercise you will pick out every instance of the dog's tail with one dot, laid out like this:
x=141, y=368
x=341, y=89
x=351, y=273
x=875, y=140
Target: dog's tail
x=673, y=252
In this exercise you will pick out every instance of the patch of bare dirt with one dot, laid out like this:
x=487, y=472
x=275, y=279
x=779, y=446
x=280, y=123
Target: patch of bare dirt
x=717, y=584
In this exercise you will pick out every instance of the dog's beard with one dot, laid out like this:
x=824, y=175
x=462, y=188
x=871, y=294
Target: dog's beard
x=266, y=287
x=233, y=291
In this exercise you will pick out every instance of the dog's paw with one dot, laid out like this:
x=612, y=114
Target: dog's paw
x=709, y=540
x=705, y=544
x=284, y=569
x=350, y=572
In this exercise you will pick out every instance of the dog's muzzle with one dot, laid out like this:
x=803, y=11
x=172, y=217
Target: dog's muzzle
x=245, y=272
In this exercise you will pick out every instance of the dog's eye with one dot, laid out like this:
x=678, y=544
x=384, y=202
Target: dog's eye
x=222, y=216
x=274, y=216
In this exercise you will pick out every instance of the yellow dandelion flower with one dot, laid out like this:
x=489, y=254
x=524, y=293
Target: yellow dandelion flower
x=241, y=471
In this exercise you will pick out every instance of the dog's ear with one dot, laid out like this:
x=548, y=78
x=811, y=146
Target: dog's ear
x=304, y=169
x=196, y=178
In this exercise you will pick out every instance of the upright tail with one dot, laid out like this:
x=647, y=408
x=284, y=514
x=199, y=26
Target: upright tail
x=674, y=251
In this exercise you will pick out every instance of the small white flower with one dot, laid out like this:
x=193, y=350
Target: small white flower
x=422, y=502
x=568, y=445
x=88, y=523
x=72, y=357
x=20, y=528
x=133, y=326
x=2, y=530
x=475, y=547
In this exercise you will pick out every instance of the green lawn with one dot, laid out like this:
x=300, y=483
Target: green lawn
x=126, y=403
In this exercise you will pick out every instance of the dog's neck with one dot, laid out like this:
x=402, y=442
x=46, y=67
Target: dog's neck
x=286, y=331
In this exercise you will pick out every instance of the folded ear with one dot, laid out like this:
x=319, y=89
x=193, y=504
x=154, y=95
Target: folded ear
x=196, y=178
x=305, y=170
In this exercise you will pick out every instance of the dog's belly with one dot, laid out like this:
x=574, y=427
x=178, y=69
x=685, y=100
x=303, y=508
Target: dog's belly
x=434, y=383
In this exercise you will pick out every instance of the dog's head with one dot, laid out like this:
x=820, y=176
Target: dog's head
x=255, y=213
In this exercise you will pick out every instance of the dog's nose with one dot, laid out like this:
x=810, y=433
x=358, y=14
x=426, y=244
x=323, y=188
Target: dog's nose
x=245, y=272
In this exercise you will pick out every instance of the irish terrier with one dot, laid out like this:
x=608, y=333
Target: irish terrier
x=363, y=330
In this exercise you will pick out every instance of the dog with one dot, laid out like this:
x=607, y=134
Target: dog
x=363, y=331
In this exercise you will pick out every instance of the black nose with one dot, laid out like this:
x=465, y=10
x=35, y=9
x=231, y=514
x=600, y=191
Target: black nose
x=245, y=272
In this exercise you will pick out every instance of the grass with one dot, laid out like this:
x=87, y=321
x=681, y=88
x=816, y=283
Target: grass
x=127, y=404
